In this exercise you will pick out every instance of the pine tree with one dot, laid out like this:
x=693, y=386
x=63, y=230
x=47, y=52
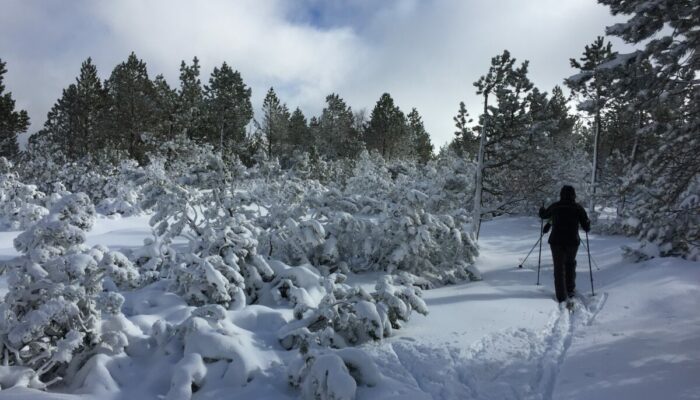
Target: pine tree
x=132, y=107
x=166, y=110
x=74, y=124
x=422, y=146
x=558, y=113
x=592, y=83
x=190, y=102
x=503, y=135
x=485, y=87
x=12, y=122
x=228, y=109
x=300, y=137
x=91, y=103
x=62, y=125
x=337, y=136
x=275, y=124
x=387, y=130
x=464, y=142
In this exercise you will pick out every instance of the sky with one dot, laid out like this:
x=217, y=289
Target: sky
x=425, y=53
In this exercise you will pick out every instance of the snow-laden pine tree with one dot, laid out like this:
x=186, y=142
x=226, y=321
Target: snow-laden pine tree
x=50, y=315
x=663, y=184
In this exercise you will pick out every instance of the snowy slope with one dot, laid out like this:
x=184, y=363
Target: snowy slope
x=502, y=338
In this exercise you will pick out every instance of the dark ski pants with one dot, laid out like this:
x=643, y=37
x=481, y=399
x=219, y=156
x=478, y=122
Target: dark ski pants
x=564, y=258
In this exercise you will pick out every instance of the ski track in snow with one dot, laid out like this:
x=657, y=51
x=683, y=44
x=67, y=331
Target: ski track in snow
x=516, y=364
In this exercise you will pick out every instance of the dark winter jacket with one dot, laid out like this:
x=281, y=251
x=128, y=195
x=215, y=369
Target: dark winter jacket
x=566, y=215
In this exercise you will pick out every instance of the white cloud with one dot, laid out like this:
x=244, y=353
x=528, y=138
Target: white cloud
x=425, y=53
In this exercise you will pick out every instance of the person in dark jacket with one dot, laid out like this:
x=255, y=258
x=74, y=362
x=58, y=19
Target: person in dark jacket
x=565, y=216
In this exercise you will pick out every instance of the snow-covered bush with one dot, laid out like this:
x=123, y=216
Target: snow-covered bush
x=206, y=338
x=363, y=233
x=348, y=316
x=122, y=191
x=209, y=280
x=153, y=258
x=233, y=244
x=297, y=243
x=119, y=271
x=174, y=206
x=370, y=176
x=433, y=246
x=332, y=374
x=20, y=205
x=50, y=313
x=303, y=287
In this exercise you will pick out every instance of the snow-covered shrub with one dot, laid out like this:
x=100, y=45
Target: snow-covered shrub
x=50, y=313
x=174, y=206
x=208, y=280
x=448, y=181
x=433, y=246
x=119, y=271
x=208, y=336
x=152, y=259
x=20, y=205
x=122, y=191
x=210, y=172
x=302, y=287
x=87, y=176
x=189, y=373
x=234, y=241
x=349, y=316
x=16, y=376
x=370, y=176
x=396, y=234
x=297, y=243
x=332, y=374
x=400, y=295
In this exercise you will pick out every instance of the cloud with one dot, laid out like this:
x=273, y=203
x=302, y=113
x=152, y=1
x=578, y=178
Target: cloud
x=425, y=53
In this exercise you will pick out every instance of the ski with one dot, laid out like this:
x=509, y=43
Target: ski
x=570, y=306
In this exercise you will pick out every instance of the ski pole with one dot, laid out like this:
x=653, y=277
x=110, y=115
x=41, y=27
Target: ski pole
x=597, y=267
x=530, y=252
x=539, y=258
x=590, y=268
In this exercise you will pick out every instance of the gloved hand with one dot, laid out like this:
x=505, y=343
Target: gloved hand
x=547, y=227
x=542, y=210
x=587, y=226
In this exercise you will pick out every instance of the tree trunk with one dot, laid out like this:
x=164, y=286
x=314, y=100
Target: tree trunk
x=594, y=172
x=478, y=187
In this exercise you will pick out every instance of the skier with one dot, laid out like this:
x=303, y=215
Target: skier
x=565, y=215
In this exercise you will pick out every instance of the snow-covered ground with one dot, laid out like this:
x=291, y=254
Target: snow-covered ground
x=501, y=338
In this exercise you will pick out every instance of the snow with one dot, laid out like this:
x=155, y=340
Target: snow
x=500, y=338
